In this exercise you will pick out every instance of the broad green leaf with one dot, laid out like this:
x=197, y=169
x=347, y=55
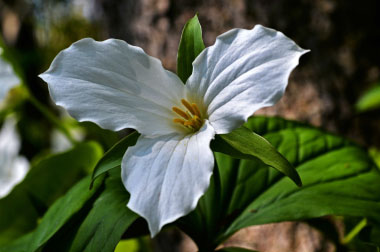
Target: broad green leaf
x=250, y=144
x=108, y=219
x=370, y=100
x=339, y=178
x=47, y=180
x=61, y=212
x=190, y=46
x=112, y=158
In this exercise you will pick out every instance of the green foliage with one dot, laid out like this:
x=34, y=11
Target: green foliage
x=47, y=180
x=55, y=219
x=108, y=219
x=18, y=245
x=131, y=245
x=61, y=211
x=370, y=100
x=112, y=158
x=190, y=46
x=244, y=143
x=375, y=154
x=140, y=244
x=339, y=179
x=82, y=220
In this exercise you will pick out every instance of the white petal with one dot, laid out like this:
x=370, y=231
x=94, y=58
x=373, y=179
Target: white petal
x=8, y=78
x=16, y=173
x=115, y=85
x=243, y=71
x=13, y=168
x=167, y=175
x=10, y=142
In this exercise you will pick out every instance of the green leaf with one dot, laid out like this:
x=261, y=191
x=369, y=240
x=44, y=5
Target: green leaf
x=370, y=100
x=61, y=211
x=47, y=180
x=190, y=46
x=339, y=178
x=244, y=143
x=112, y=158
x=108, y=220
x=375, y=154
x=18, y=245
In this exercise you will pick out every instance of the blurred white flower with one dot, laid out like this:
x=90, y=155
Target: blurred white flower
x=118, y=86
x=13, y=167
x=59, y=141
x=8, y=78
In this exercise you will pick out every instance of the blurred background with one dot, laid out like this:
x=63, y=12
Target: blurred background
x=344, y=63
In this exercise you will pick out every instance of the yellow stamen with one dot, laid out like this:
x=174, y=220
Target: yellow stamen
x=196, y=110
x=190, y=118
x=188, y=123
x=181, y=113
x=188, y=106
x=197, y=119
x=178, y=120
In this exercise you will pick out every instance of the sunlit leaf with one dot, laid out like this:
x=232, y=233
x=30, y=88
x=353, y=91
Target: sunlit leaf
x=370, y=100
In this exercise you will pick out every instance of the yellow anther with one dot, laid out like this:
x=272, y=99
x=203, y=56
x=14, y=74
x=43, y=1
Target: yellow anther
x=191, y=118
x=197, y=119
x=196, y=110
x=181, y=112
x=178, y=120
x=188, y=123
x=188, y=106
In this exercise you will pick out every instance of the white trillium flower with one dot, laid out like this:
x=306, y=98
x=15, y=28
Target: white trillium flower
x=117, y=86
x=13, y=167
x=8, y=78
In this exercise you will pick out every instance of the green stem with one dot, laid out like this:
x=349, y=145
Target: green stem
x=355, y=231
x=52, y=118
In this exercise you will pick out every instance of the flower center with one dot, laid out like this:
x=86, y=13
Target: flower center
x=191, y=118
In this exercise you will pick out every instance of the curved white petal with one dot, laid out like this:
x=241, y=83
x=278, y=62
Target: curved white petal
x=9, y=139
x=167, y=175
x=115, y=85
x=8, y=78
x=13, y=168
x=16, y=173
x=243, y=71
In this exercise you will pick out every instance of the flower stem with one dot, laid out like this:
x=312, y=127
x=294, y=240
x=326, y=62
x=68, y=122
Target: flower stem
x=355, y=231
x=52, y=118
